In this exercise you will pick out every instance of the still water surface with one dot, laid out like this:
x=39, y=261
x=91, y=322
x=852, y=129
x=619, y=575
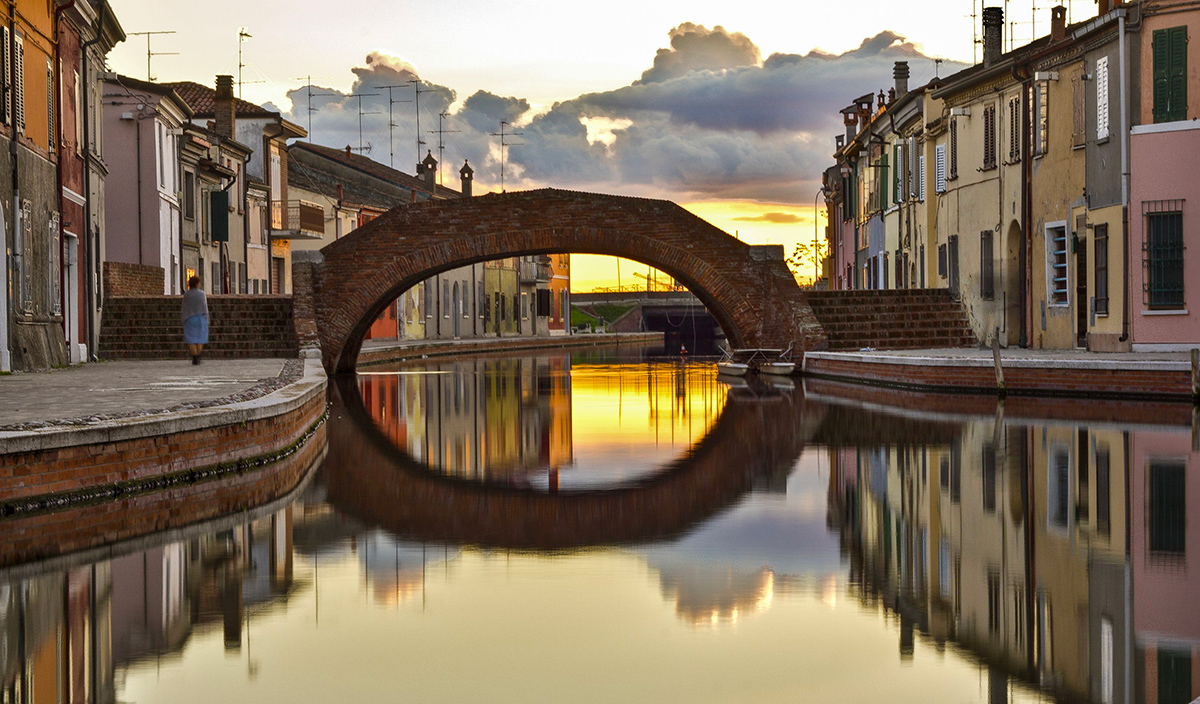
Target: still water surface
x=612, y=526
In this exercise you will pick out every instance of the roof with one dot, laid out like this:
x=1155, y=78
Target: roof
x=201, y=100
x=310, y=177
x=160, y=89
x=371, y=167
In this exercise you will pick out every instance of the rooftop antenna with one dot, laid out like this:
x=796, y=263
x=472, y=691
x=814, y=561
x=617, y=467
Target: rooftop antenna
x=974, y=34
x=360, y=96
x=504, y=145
x=937, y=65
x=308, y=86
x=392, y=122
x=441, y=132
x=151, y=54
x=417, y=109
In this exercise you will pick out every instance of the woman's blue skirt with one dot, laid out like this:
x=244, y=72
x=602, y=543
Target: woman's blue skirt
x=195, y=330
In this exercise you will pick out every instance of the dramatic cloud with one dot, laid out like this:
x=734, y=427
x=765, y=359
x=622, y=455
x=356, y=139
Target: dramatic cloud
x=773, y=218
x=709, y=119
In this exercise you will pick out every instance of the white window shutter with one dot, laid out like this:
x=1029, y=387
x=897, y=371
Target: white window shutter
x=939, y=168
x=913, y=188
x=18, y=86
x=921, y=185
x=1102, y=98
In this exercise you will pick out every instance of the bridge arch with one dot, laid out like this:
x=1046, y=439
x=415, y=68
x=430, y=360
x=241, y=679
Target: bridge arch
x=339, y=291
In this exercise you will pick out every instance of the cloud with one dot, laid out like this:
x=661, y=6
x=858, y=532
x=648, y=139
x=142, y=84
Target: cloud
x=775, y=218
x=709, y=119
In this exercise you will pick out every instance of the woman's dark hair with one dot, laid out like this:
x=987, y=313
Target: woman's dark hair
x=194, y=282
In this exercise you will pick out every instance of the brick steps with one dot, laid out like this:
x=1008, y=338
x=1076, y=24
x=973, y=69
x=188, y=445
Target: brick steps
x=148, y=327
x=891, y=319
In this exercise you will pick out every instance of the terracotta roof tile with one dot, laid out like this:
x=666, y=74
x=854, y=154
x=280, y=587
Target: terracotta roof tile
x=202, y=98
x=374, y=168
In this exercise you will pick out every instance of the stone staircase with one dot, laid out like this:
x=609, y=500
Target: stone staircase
x=148, y=327
x=892, y=319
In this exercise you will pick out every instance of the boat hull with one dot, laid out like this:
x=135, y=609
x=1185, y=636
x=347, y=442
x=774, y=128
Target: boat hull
x=777, y=368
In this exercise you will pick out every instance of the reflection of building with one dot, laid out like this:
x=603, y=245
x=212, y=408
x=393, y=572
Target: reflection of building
x=1009, y=541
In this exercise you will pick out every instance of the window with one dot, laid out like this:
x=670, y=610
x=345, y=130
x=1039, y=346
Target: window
x=24, y=251
x=987, y=283
x=78, y=117
x=1170, y=74
x=1103, y=492
x=939, y=168
x=189, y=195
x=953, y=150
x=524, y=306
x=942, y=260
x=994, y=595
x=989, y=137
x=1100, y=259
x=952, y=264
x=1056, y=265
x=1078, y=128
x=1163, y=254
x=445, y=299
x=1106, y=661
x=1040, y=118
x=56, y=273
x=955, y=474
x=1168, y=509
x=1102, y=99
x=898, y=178
x=883, y=182
x=913, y=181
x=1014, y=130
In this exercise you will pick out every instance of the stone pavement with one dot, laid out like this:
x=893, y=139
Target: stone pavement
x=119, y=387
x=1062, y=356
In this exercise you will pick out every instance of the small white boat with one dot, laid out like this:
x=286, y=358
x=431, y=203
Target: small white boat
x=783, y=366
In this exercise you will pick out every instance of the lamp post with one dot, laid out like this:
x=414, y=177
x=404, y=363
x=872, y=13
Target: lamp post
x=816, y=249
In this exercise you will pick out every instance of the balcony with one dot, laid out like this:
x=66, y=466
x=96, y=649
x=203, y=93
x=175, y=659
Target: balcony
x=536, y=271
x=297, y=220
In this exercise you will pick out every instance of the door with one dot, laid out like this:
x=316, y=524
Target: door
x=1081, y=295
x=457, y=311
x=952, y=265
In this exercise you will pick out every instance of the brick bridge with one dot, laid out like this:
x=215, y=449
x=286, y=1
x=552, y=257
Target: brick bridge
x=339, y=291
x=754, y=441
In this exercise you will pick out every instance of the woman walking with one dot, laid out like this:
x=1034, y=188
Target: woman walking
x=195, y=319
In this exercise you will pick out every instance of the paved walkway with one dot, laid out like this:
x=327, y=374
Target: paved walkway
x=1029, y=354
x=126, y=386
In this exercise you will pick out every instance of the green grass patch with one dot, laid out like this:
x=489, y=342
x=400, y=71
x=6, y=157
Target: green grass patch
x=611, y=311
x=578, y=317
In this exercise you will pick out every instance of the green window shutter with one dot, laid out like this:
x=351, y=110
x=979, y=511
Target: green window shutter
x=1162, y=60
x=1177, y=74
x=884, y=183
x=219, y=209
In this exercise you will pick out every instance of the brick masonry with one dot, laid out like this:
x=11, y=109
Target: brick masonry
x=748, y=289
x=149, y=327
x=122, y=279
x=892, y=319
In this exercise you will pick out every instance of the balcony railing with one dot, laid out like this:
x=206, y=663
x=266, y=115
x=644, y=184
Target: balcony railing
x=536, y=271
x=298, y=215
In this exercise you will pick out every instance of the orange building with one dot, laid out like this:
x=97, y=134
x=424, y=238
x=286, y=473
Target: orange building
x=560, y=294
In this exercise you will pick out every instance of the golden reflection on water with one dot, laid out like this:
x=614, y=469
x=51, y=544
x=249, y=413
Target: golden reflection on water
x=543, y=421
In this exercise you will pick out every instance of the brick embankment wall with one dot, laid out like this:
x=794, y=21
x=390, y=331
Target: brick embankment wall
x=149, y=327
x=1021, y=377
x=122, y=279
x=225, y=454
x=892, y=319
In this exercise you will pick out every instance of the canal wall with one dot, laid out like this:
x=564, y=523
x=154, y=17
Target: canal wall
x=400, y=351
x=180, y=465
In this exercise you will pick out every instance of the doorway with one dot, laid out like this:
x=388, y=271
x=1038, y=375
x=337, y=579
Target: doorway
x=1081, y=295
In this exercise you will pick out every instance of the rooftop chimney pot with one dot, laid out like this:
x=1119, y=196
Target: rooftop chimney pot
x=900, y=73
x=224, y=109
x=993, y=34
x=1058, y=23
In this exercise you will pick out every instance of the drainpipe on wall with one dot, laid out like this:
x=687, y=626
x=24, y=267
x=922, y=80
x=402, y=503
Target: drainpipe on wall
x=1121, y=59
x=5, y=330
x=1026, y=210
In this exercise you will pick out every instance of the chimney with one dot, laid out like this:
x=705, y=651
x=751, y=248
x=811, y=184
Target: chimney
x=1058, y=23
x=429, y=171
x=348, y=150
x=850, y=119
x=467, y=174
x=993, y=34
x=341, y=195
x=1105, y=7
x=224, y=109
x=900, y=73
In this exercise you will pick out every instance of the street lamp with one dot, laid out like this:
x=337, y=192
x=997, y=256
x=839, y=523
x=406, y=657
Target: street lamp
x=816, y=249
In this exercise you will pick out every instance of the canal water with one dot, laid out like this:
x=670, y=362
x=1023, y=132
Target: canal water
x=614, y=525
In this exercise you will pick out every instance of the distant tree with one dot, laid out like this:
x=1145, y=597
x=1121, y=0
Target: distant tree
x=805, y=257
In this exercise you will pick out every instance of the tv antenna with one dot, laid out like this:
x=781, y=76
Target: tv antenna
x=243, y=35
x=504, y=145
x=417, y=108
x=309, y=90
x=441, y=132
x=360, y=96
x=392, y=121
x=149, y=53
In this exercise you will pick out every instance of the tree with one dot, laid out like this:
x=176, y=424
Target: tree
x=806, y=257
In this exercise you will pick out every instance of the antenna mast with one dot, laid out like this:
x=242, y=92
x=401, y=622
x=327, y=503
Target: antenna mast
x=360, y=96
x=392, y=123
x=504, y=145
x=310, y=109
x=417, y=108
x=441, y=132
x=150, y=54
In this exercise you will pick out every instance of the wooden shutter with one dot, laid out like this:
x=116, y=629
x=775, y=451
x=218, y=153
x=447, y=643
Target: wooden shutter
x=50, y=92
x=939, y=168
x=898, y=179
x=6, y=56
x=219, y=205
x=953, y=150
x=1162, y=62
x=884, y=184
x=921, y=185
x=989, y=137
x=1177, y=74
x=912, y=167
x=1078, y=133
x=1102, y=98
x=18, y=85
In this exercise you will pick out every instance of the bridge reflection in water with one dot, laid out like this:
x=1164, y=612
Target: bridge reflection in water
x=931, y=556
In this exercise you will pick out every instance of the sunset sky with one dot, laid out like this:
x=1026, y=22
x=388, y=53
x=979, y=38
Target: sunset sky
x=729, y=109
